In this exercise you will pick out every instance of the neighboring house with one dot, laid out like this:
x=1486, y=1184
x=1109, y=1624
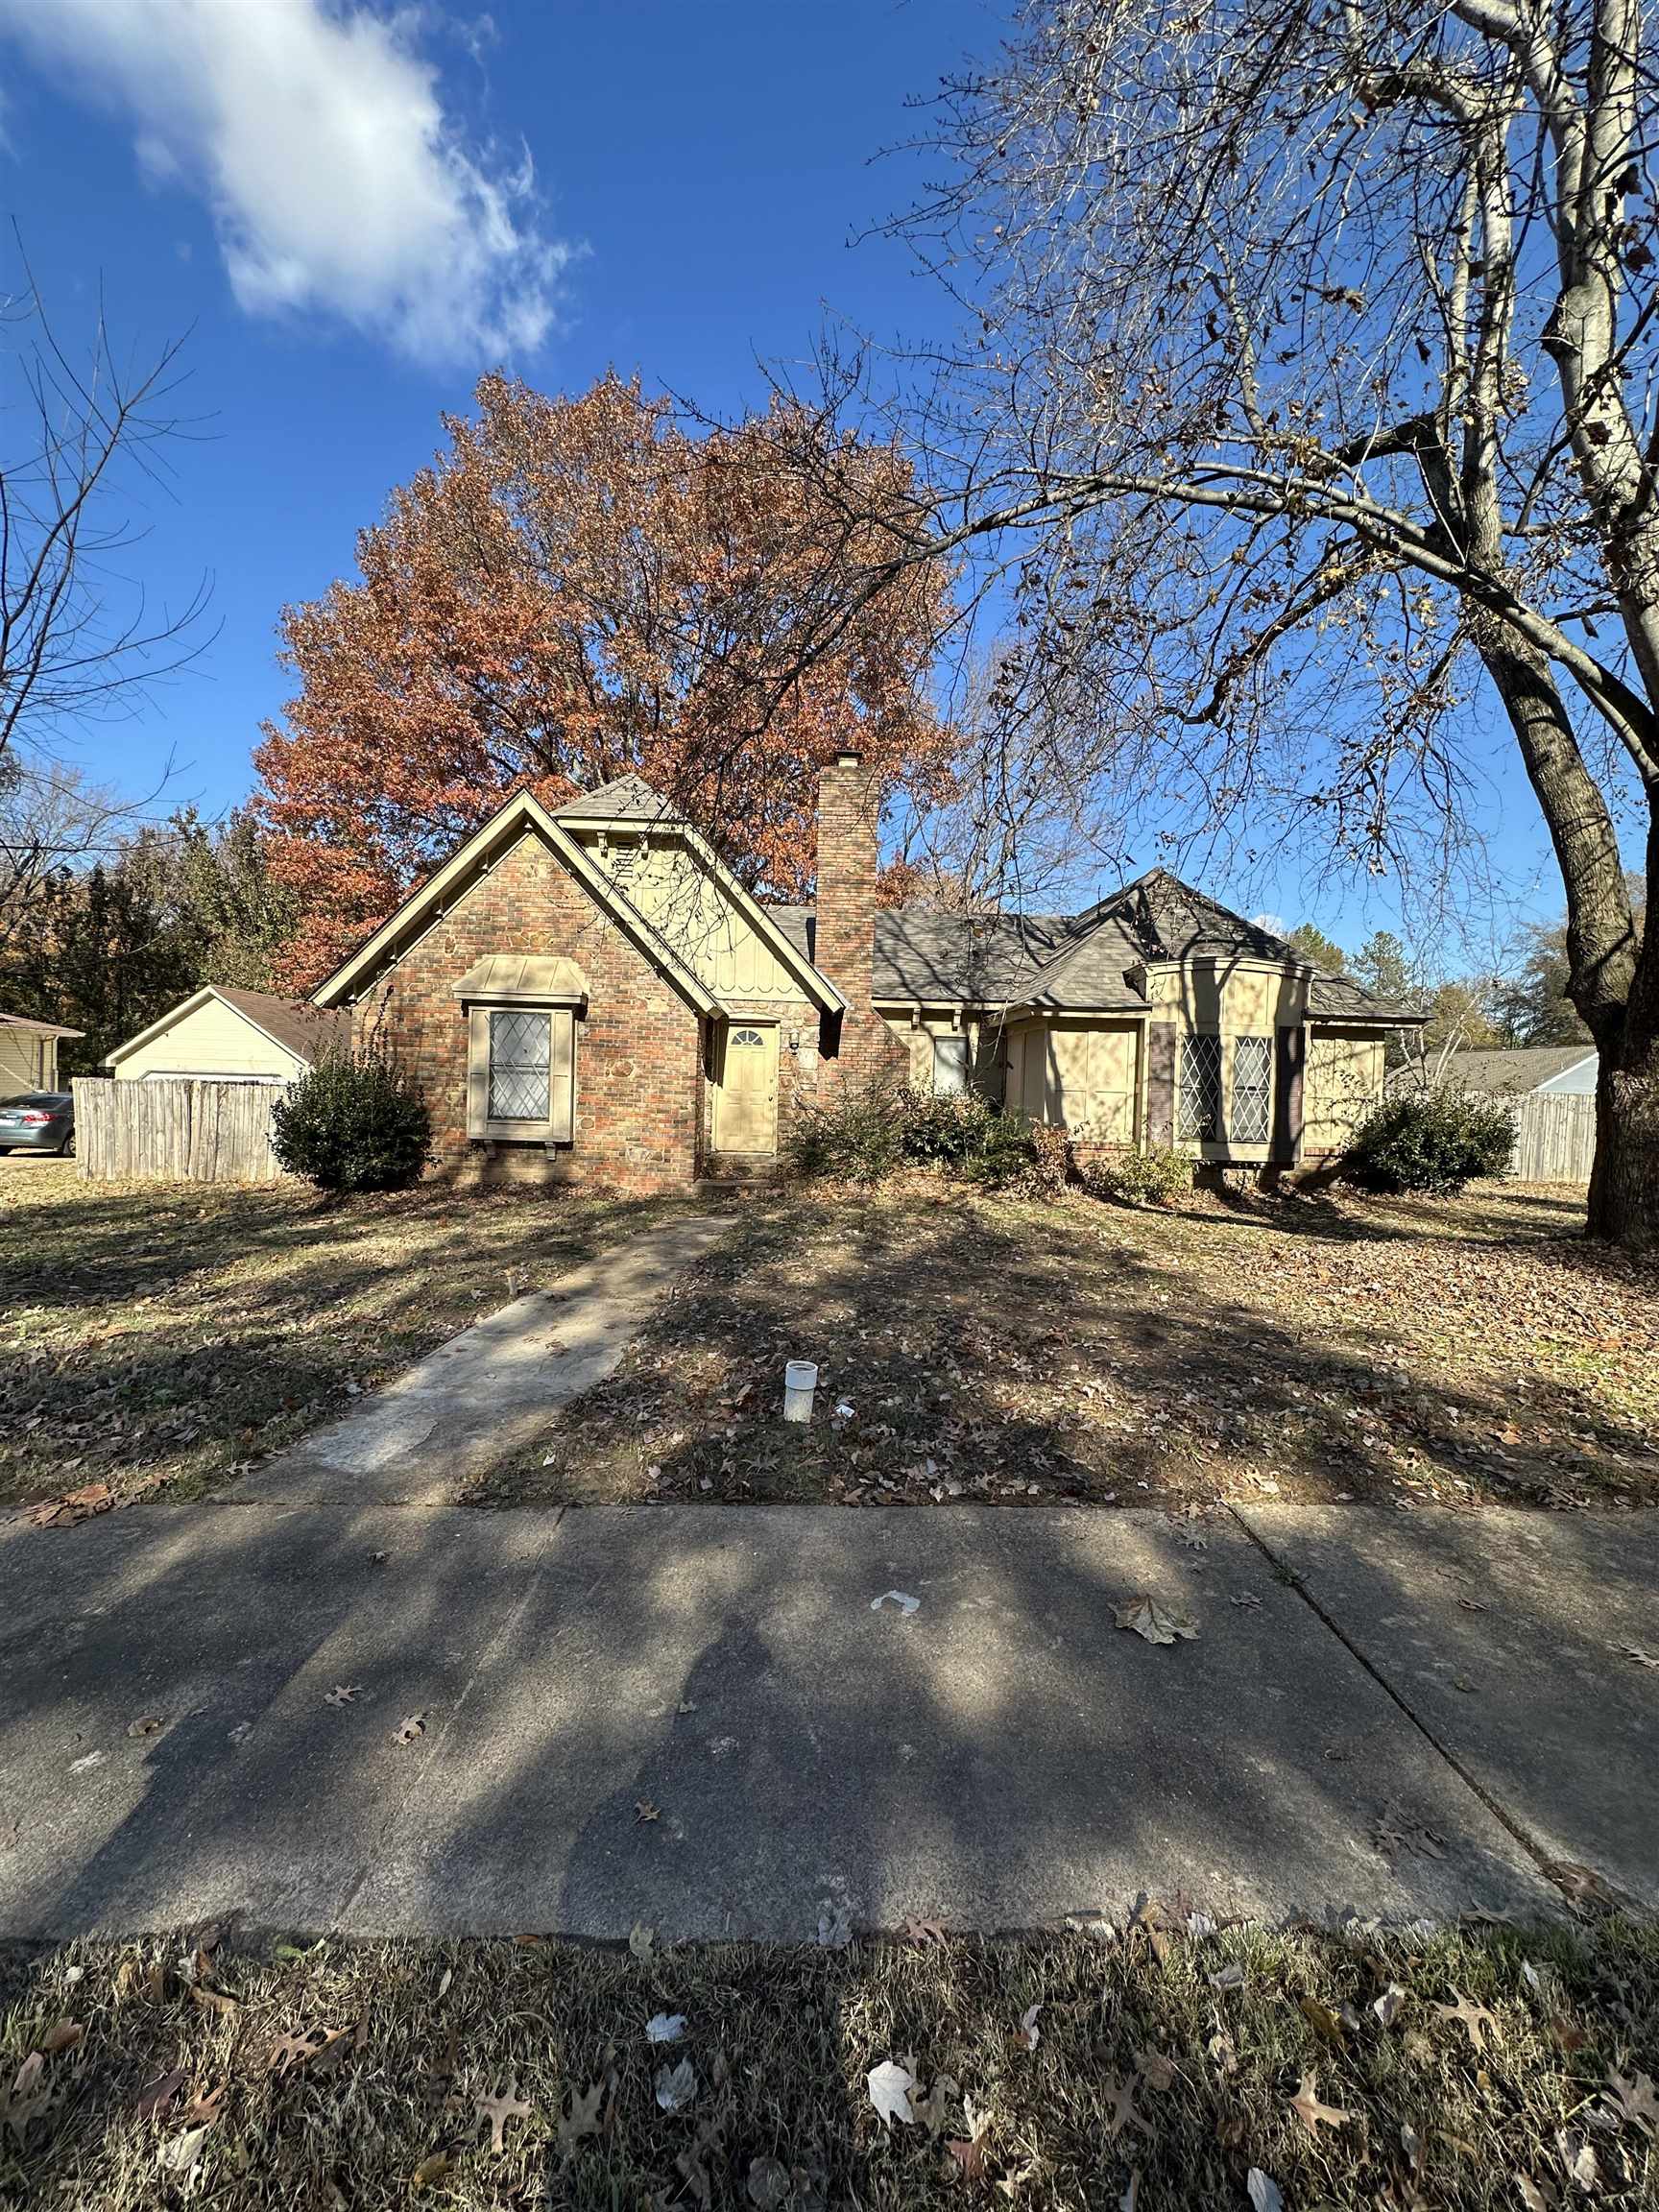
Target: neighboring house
x=1554, y=1070
x=29, y=1053
x=222, y=1034
x=589, y=990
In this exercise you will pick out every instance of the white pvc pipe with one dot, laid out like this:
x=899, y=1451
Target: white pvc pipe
x=800, y=1381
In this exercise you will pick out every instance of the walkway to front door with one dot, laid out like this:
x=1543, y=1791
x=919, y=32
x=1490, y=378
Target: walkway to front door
x=470, y=1404
x=746, y=1092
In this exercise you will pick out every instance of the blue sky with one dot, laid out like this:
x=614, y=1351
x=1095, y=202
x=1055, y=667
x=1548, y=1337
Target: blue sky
x=354, y=219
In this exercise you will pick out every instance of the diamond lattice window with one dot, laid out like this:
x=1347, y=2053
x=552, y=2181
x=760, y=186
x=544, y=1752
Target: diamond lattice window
x=521, y=1058
x=1252, y=1088
x=1200, y=1114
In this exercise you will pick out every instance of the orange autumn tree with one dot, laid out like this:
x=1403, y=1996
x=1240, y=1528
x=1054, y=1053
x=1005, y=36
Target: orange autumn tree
x=578, y=588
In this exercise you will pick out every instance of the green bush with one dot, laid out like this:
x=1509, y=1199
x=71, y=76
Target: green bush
x=1433, y=1140
x=873, y=1127
x=1159, y=1176
x=353, y=1124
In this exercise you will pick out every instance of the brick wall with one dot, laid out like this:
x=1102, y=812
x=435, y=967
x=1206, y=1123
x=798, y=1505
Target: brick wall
x=639, y=1058
x=845, y=940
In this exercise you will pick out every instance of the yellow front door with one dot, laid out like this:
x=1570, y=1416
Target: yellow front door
x=746, y=1100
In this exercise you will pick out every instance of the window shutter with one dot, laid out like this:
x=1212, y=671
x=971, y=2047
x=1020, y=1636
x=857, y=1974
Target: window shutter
x=561, y=1079
x=478, y=1072
x=1290, y=1053
x=1160, y=1083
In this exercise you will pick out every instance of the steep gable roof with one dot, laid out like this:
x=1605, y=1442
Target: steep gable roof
x=523, y=812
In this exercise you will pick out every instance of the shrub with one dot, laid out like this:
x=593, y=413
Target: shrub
x=873, y=1127
x=352, y=1123
x=1159, y=1176
x=1432, y=1140
x=855, y=1139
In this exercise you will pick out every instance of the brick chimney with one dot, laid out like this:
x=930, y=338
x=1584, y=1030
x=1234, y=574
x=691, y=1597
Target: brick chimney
x=844, y=945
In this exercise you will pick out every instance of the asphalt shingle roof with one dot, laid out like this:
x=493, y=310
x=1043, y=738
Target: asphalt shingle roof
x=627, y=799
x=1083, y=961
x=1512, y=1072
x=306, y=1030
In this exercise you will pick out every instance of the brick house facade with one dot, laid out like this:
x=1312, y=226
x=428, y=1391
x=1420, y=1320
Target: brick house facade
x=588, y=992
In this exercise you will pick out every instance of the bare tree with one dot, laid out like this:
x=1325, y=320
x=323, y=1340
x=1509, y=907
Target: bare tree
x=84, y=442
x=1309, y=391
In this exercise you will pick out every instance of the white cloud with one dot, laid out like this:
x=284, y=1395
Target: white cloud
x=338, y=182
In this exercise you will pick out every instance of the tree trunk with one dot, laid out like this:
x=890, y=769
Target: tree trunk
x=1624, y=1182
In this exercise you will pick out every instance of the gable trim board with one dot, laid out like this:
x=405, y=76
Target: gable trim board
x=524, y=813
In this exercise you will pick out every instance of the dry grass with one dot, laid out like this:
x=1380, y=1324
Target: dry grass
x=1143, y=2067
x=163, y=1335
x=994, y=1349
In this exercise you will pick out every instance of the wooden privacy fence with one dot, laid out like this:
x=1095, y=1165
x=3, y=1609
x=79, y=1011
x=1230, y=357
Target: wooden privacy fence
x=1554, y=1137
x=172, y=1130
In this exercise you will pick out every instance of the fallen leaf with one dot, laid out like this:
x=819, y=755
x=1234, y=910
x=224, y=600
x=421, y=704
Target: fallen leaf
x=936, y=2109
x=665, y=2028
x=1030, y=2034
x=206, y=2000
x=498, y=2110
x=345, y=1694
x=1311, y=2114
x=180, y=2152
x=1634, y=2100
x=1244, y=1598
x=1322, y=2020
x=1567, y=2035
x=1131, y=2196
x=146, y=1725
x=924, y=1931
x=645, y=1811
x=676, y=2085
x=160, y=2093
x=1156, y=2069
x=1532, y=2195
x=1263, y=2191
x=1583, y=2169
x=81, y=1504
x=901, y=1600
x=1156, y=1623
x=768, y=2185
x=64, y=2036
x=430, y=2170
x=640, y=1939
x=1119, y=2094
x=414, y=1724
x=206, y=2103
x=890, y=2085
x=1641, y=1658
x=1230, y=1977
x=291, y=2051
x=968, y=2152
x=1388, y=2005
x=581, y=2114
x=1476, y=2018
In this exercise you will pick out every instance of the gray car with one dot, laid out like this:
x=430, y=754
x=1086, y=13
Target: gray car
x=37, y=1121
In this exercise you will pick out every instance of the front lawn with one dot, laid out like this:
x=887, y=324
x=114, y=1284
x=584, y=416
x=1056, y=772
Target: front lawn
x=1161, y=2066
x=153, y=1337
x=1325, y=1347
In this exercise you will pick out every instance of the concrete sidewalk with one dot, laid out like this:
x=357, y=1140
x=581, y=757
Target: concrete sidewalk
x=491, y=1390
x=725, y=1723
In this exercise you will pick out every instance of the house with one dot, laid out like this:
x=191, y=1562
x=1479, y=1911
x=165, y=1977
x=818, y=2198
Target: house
x=29, y=1053
x=587, y=990
x=1553, y=1071
x=223, y=1034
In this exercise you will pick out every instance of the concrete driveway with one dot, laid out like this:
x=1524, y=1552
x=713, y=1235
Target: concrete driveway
x=734, y=1722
